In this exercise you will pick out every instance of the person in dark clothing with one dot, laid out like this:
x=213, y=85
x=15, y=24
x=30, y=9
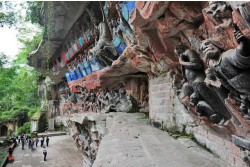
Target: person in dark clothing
x=22, y=140
x=37, y=140
x=19, y=139
x=10, y=151
x=42, y=140
x=29, y=141
x=47, y=141
x=31, y=144
x=44, y=153
x=15, y=142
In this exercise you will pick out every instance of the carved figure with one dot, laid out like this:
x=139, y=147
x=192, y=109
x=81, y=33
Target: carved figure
x=244, y=11
x=192, y=68
x=108, y=101
x=143, y=91
x=144, y=107
x=104, y=49
x=92, y=103
x=94, y=63
x=211, y=78
x=231, y=66
x=221, y=12
x=125, y=102
x=123, y=30
x=200, y=94
x=143, y=98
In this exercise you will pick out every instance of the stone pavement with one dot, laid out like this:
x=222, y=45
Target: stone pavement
x=133, y=142
x=62, y=152
x=52, y=133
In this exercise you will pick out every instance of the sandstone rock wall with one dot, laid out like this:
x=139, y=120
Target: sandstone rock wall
x=168, y=113
x=186, y=63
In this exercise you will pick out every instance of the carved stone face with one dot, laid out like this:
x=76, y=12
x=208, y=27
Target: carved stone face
x=122, y=90
x=179, y=49
x=92, y=97
x=219, y=9
x=209, y=49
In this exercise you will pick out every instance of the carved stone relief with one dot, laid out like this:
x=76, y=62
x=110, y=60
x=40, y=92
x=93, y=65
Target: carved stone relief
x=213, y=57
x=205, y=48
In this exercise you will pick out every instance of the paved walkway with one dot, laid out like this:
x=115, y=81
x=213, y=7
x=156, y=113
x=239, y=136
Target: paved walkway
x=132, y=142
x=62, y=152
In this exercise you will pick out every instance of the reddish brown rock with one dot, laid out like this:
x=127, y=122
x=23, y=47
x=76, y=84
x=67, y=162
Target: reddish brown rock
x=191, y=12
x=168, y=25
x=151, y=10
x=237, y=18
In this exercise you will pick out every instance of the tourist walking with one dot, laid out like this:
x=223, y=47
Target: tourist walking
x=15, y=142
x=31, y=144
x=42, y=140
x=19, y=139
x=47, y=141
x=29, y=141
x=25, y=138
x=10, y=150
x=22, y=140
x=44, y=153
x=37, y=140
x=10, y=157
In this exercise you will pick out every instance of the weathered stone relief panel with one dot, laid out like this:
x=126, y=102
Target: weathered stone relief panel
x=207, y=47
x=197, y=53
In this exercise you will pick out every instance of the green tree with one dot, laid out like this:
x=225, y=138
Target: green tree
x=18, y=81
x=34, y=11
x=8, y=16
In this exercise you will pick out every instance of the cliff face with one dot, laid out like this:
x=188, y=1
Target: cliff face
x=184, y=63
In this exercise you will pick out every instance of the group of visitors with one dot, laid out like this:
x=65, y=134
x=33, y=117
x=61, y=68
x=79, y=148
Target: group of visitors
x=23, y=138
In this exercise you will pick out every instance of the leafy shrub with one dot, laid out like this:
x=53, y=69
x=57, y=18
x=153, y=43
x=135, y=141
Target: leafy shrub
x=24, y=129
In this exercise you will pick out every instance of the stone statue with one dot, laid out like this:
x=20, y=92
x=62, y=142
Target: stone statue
x=192, y=68
x=126, y=103
x=244, y=11
x=123, y=30
x=92, y=106
x=104, y=49
x=144, y=106
x=200, y=95
x=143, y=98
x=143, y=91
x=221, y=12
x=231, y=66
x=117, y=101
x=108, y=101
x=101, y=103
x=115, y=95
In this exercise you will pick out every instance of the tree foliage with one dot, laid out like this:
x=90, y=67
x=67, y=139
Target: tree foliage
x=7, y=14
x=24, y=129
x=33, y=13
x=18, y=83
